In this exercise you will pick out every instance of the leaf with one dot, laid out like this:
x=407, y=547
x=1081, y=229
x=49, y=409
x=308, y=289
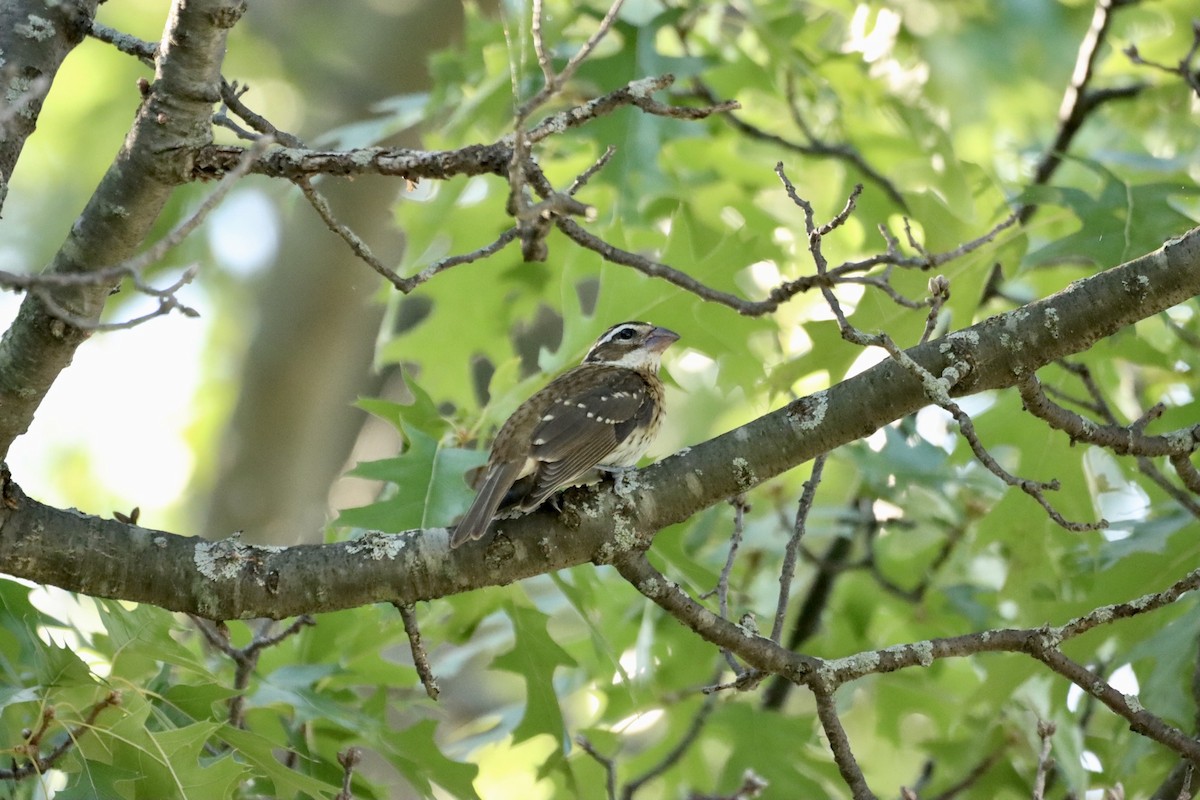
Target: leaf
x=534, y=657
x=260, y=753
x=422, y=413
x=430, y=489
x=414, y=751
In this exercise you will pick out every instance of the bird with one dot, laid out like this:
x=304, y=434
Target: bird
x=602, y=414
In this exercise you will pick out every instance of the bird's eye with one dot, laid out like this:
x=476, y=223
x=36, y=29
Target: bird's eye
x=625, y=334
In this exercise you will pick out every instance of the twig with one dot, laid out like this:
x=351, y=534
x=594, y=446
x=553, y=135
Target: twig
x=37, y=764
x=132, y=267
x=1184, y=469
x=788, y=571
x=609, y=765
x=939, y=293
x=420, y=658
x=677, y=752
x=937, y=389
x=1035, y=489
x=740, y=506
x=348, y=759
x=165, y=306
x=1045, y=731
x=502, y=241
x=582, y=178
x=231, y=98
x=245, y=659
x=141, y=49
x=829, y=566
x=1078, y=100
x=360, y=248
x=533, y=221
x=825, y=676
x=816, y=147
x=839, y=743
x=976, y=772
x=554, y=82
x=1183, y=69
x=1121, y=440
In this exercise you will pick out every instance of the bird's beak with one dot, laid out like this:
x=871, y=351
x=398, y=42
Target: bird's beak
x=660, y=339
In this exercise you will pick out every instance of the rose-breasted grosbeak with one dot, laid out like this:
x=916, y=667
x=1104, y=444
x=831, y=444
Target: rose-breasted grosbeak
x=602, y=414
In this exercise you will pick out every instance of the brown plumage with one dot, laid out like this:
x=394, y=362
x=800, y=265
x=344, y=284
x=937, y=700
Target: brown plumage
x=603, y=413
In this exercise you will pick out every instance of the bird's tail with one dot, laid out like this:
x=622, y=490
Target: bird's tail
x=492, y=490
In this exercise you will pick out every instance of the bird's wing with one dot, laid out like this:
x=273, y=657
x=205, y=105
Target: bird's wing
x=577, y=432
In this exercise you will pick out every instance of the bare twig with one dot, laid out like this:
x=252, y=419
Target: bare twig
x=740, y=506
x=1119, y=439
x=937, y=389
x=839, y=743
x=245, y=659
x=231, y=97
x=140, y=49
x=41, y=285
x=609, y=765
x=1183, y=69
x=1045, y=731
x=554, y=82
x=420, y=657
x=502, y=241
x=582, y=178
x=1079, y=100
x=533, y=221
x=816, y=147
x=1184, y=469
x=788, y=571
x=677, y=752
x=37, y=764
x=348, y=759
x=976, y=772
x=1035, y=489
x=939, y=293
x=360, y=248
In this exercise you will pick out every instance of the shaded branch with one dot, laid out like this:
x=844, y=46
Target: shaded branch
x=1122, y=440
x=839, y=744
x=815, y=148
x=1184, y=69
x=416, y=644
x=937, y=387
x=1079, y=100
x=245, y=659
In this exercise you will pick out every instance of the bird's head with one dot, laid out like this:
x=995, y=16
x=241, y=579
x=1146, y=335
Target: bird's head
x=635, y=345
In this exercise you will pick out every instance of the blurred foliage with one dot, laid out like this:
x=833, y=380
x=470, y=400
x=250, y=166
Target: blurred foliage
x=952, y=103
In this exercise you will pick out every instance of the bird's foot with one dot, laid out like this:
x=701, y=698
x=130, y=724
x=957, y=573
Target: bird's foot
x=623, y=478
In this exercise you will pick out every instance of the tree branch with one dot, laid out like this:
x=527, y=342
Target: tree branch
x=172, y=122
x=226, y=580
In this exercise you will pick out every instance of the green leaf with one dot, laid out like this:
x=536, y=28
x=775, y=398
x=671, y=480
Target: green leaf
x=421, y=414
x=260, y=753
x=534, y=657
x=430, y=489
x=414, y=751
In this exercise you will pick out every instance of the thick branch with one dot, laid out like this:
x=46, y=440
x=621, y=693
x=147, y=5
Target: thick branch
x=172, y=122
x=226, y=580
x=35, y=38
